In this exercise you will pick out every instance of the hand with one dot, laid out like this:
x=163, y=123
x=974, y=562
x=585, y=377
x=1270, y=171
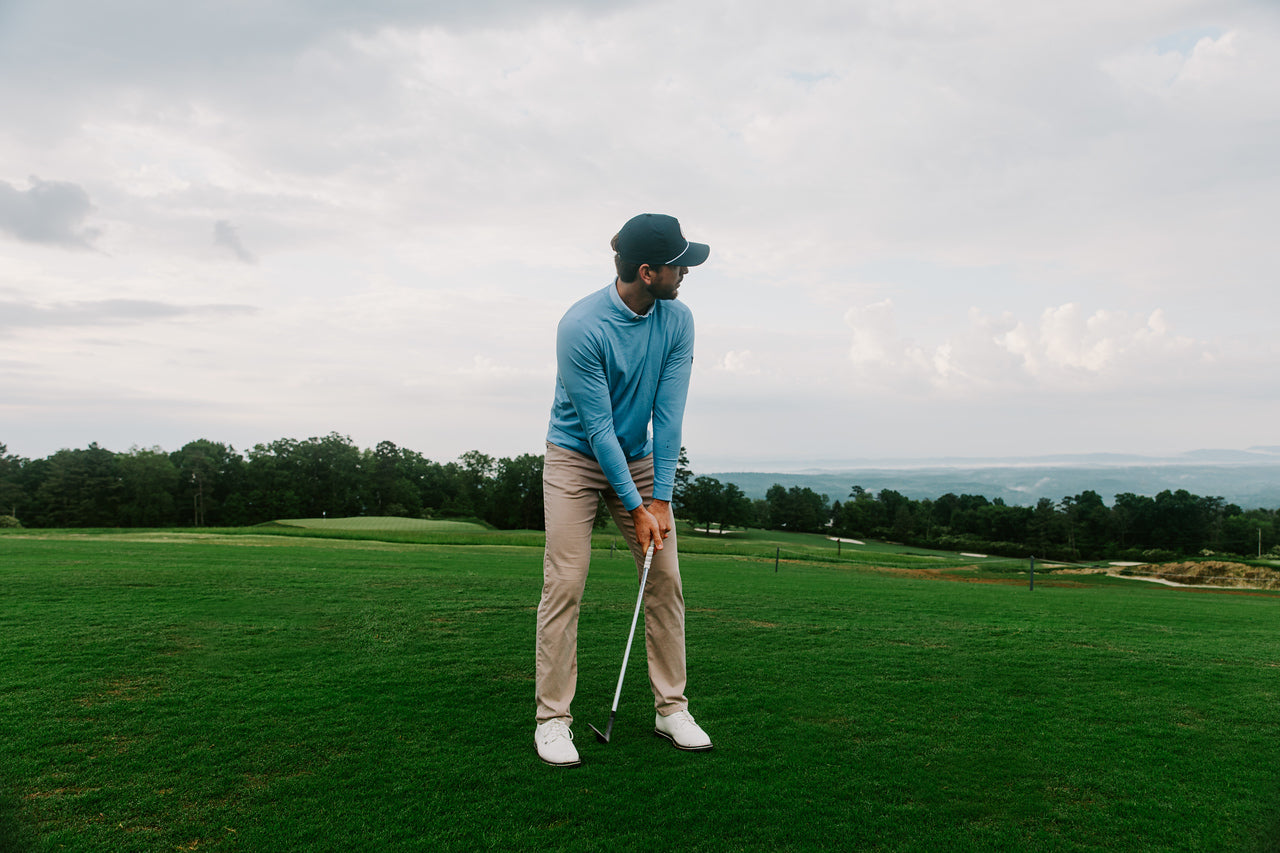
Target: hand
x=649, y=530
x=661, y=511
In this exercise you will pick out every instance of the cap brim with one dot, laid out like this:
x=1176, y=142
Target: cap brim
x=694, y=254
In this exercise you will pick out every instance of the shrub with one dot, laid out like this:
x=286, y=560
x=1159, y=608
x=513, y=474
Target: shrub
x=9, y=521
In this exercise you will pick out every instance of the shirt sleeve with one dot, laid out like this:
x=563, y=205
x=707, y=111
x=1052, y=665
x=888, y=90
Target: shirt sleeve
x=580, y=360
x=668, y=411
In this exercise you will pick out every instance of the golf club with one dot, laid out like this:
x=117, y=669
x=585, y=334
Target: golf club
x=603, y=737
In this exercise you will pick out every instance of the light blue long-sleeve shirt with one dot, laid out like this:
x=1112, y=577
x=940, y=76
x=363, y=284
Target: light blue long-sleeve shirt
x=617, y=371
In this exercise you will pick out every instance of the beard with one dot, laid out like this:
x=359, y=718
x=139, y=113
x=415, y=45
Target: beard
x=667, y=285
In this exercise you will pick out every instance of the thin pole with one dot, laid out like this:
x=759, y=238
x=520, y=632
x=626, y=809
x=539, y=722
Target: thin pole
x=644, y=576
x=776, y=555
x=1033, y=574
x=603, y=736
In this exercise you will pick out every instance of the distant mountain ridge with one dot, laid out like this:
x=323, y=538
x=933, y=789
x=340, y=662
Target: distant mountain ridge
x=1249, y=478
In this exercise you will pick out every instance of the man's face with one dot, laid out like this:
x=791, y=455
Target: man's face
x=664, y=281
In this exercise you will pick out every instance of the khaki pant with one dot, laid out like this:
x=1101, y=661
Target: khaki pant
x=571, y=485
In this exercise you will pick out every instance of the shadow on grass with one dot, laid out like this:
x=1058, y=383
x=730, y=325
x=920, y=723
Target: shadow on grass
x=12, y=839
x=1270, y=841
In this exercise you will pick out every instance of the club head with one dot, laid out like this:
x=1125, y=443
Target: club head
x=603, y=737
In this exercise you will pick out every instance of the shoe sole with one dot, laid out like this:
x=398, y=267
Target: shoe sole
x=672, y=741
x=577, y=763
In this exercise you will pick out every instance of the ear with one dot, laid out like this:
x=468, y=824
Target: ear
x=646, y=273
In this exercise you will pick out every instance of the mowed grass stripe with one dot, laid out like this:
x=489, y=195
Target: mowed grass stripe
x=332, y=695
x=429, y=525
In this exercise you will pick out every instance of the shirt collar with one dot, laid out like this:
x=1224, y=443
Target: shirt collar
x=622, y=306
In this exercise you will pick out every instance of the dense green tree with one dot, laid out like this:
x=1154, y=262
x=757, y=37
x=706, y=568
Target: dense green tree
x=704, y=501
x=391, y=481
x=779, y=513
x=472, y=477
x=211, y=484
x=315, y=478
x=970, y=516
x=890, y=502
x=437, y=483
x=1087, y=522
x=1006, y=523
x=903, y=523
x=12, y=493
x=31, y=476
x=945, y=508
x=80, y=488
x=798, y=509
x=1043, y=528
x=148, y=485
x=861, y=515
x=761, y=512
x=1181, y=521
x=273, y=483
x=515, y=500
x=737, y=509
x=332, y=467
x=1132, y=519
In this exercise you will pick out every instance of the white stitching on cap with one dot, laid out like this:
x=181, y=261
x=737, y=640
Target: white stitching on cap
x=687, y=244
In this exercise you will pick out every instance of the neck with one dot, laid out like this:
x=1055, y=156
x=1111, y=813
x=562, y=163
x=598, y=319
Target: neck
x=635, y=296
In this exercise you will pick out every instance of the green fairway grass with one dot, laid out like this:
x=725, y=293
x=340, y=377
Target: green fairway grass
x=739, y=542
x=253, y=691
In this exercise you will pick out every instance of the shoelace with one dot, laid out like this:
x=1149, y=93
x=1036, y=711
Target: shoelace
x=558, y=731
x=683, y=717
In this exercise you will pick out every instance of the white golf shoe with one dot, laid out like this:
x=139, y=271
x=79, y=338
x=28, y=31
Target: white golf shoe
x=555, y=744
x=682, y=731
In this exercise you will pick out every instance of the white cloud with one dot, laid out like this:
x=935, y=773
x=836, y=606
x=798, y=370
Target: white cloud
x=741, y=362
x=874, y=341
x=1066, y=351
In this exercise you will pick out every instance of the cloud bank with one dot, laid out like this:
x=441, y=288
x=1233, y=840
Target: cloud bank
x=928, y=221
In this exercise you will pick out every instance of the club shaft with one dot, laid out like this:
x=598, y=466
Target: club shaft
x=635, y=617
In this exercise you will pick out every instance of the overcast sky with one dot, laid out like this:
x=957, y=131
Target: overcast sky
x=969, y=228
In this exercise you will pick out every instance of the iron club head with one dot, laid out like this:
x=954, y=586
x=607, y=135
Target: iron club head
x=603, y=736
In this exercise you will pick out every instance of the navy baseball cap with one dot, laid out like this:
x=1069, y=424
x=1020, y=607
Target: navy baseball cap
x=655, y=238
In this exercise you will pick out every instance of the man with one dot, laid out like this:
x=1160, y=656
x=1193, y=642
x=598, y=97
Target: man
x=623, y=355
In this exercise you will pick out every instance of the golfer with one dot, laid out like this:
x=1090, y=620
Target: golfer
x=623, y=356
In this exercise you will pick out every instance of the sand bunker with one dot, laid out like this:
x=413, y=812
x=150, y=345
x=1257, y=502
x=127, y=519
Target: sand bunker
x=1209, y=573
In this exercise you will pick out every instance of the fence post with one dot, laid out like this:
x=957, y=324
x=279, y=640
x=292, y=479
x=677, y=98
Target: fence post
x=1033, y=574
x=776, y=555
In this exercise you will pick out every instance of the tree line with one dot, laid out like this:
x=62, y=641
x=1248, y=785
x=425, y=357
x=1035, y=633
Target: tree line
x=207, y=483
x=1079, y=527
